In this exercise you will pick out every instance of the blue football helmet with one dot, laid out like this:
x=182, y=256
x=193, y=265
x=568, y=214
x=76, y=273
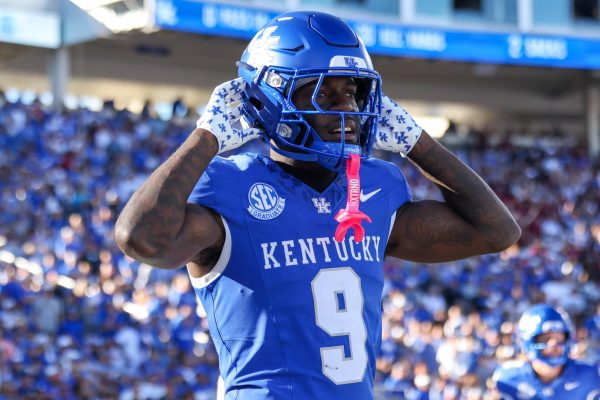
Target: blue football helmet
x=297, y=48
x=541, y=319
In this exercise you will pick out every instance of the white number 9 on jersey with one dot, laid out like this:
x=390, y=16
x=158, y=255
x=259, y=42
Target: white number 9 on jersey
x=338, y=311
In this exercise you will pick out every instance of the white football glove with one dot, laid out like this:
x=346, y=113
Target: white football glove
x=230, y=126
x=396, y=131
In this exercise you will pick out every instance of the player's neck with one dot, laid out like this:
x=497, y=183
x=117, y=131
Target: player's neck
x=311, y=173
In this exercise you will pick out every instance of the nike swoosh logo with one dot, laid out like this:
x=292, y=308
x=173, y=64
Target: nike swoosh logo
x=571, y=385
x=365, y=197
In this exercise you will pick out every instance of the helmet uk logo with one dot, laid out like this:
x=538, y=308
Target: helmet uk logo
x=347, y=62
x=265, y=203
x=350, y=62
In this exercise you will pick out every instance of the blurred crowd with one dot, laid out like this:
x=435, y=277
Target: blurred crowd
x=79, y=320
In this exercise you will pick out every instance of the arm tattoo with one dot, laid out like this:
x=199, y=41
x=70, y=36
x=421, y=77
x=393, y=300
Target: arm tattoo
x=436, y=226
x=156, y=212
x=466, y=194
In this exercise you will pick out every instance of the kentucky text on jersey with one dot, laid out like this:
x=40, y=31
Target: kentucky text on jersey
x=308, y=250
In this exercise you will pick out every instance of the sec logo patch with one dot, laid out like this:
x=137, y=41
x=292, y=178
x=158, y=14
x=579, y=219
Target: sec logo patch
x=265, y=203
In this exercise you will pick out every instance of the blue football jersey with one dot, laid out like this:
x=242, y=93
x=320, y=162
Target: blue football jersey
x=293, y=313
x=517, y=380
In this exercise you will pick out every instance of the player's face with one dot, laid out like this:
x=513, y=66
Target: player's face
x=337, y=93
x=555, y=343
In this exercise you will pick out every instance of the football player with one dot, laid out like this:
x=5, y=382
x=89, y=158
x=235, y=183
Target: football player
x=545, y=337
x=285, y=251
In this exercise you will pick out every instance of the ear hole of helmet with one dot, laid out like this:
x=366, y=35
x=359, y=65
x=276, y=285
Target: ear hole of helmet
x=256, y=103
x=303, y=136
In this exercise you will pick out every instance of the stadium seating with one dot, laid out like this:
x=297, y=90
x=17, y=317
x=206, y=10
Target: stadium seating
x=78, y=319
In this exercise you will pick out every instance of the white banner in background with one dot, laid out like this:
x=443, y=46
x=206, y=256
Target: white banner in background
x=32, y=28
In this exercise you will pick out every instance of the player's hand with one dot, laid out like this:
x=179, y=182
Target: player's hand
x=396, y=131
x=231, y=126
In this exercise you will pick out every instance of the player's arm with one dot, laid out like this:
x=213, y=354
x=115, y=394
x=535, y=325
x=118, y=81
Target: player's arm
x=157, y=225
x=471, y=221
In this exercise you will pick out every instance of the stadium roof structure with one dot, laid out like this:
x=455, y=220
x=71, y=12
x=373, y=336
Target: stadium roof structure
x=116, y=15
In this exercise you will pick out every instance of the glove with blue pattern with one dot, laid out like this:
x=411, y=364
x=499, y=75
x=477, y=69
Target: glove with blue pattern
x=231, y=126
x=396, y=131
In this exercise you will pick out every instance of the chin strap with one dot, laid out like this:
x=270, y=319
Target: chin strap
x=351, y=216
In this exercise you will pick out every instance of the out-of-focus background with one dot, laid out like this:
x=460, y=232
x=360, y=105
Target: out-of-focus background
x=94, y=94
